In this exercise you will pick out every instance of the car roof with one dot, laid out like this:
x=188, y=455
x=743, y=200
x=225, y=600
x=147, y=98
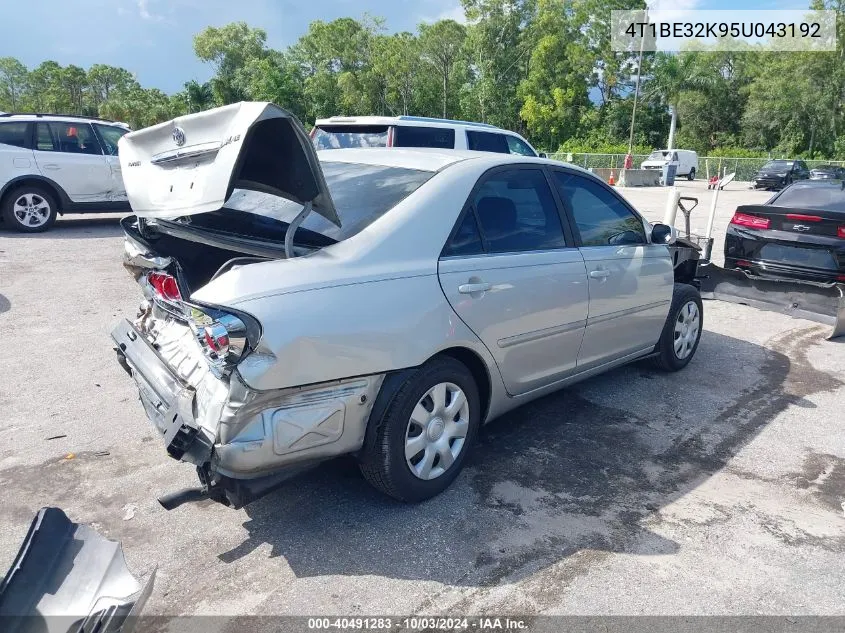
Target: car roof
x=72, y=118
x=430, y=159
x=406, y=120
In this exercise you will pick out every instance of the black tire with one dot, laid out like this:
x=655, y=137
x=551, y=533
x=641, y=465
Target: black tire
x=37, y=194
x=667, y=359
x=382, y=459
x=691, y=174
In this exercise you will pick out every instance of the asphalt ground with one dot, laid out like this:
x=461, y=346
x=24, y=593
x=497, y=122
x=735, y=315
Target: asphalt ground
x=716, y=490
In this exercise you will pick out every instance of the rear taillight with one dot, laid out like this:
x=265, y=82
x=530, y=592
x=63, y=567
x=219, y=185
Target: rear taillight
x=165, y=286
x=840, y=232
x=750, y=221
x=224, y=338
x=390, y=132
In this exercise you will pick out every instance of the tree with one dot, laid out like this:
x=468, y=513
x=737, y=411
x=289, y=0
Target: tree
x=14, y=81
x=440, y=45
x=672, y=75
x=105, y=80
x=198, y=97
x=273, y=78
x=554, y=94
x=229, y=49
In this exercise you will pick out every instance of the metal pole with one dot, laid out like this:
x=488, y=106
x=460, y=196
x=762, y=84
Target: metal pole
x=637, y=89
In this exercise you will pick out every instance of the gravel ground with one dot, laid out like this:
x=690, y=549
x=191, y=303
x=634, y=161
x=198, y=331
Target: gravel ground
x=717, y=490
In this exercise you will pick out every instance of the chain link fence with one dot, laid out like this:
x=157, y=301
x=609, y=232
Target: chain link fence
x=744, y=168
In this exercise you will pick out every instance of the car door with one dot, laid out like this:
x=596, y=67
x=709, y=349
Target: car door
x=109, y=136
x=69, y=153
x=512, y=273
x=630, y=280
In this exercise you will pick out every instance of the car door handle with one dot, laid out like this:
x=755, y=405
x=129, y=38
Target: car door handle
x=51, y=166
x=468, y=289
x=599, y=274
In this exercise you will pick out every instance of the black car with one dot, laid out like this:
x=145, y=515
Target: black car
x=827, y=172
x=777, y=174
x=799, y=233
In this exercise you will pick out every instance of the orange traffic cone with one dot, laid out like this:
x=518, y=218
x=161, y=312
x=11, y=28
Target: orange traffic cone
x=612, y=180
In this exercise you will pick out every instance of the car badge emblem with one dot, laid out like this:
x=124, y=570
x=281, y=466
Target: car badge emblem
x=179, y=136
x=800, y=227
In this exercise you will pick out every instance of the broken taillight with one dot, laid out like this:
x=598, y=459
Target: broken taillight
x=224, y=337
x=165, y=286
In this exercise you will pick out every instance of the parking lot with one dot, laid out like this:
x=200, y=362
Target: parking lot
x=717, y=490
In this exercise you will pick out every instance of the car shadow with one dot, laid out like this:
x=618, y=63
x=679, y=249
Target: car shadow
x=5, y=304
x=72, y=227
x=586, y=470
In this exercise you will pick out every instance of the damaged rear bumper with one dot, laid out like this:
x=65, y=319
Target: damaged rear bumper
x=231, y=432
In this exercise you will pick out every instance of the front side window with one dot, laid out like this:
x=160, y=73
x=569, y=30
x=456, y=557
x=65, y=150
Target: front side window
x=110, y=135
x=350, y=136
x=602, y=219
x=518, y=146
x=15, y=133
x=517, y=212
x=487, y=142
x=414, y=136
x=69, y=138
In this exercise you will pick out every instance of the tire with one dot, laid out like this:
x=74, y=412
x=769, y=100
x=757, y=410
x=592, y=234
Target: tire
x=383, y=460
x=29, y=209
x=691, y=174
x=669, y=357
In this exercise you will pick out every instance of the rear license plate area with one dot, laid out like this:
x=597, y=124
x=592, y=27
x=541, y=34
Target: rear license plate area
x=797, y=256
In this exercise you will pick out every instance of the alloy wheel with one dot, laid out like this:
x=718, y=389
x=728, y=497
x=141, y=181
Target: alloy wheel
x=31, y=210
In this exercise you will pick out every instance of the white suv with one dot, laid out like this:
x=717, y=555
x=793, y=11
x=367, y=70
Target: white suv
x=414, y=131
x=52, y=164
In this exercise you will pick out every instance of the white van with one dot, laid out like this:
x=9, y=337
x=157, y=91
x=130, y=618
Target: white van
x=685, y=159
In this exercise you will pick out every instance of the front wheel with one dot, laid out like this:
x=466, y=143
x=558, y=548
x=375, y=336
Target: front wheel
x=682, y=331
x=691, y=174
x=419, y=445
x=29, y=209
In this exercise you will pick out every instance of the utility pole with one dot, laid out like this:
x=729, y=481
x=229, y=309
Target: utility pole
x=637, y=89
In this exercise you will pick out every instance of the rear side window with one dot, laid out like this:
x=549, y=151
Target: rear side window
x=69, y=138
x=516, y=212
x=466, y=240
x=15, y=133
x=487, y=142
x=413, y=136
x=350, y=136
x=602, y=218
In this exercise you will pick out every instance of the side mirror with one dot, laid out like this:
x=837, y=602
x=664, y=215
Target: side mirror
x=663, y=234
x=543, y=155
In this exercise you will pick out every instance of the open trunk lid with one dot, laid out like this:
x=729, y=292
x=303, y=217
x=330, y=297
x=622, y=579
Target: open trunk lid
x=193, y=163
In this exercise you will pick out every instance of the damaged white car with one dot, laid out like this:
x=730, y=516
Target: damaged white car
x=379, y=303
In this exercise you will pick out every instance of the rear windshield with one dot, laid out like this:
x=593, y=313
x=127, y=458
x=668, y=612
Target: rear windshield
x=821, y=198
x=778, y=164
x=361, y=194
x=346, y=136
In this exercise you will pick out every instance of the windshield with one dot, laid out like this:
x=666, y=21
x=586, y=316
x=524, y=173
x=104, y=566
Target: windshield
x=346, y=136
x=658, y=155
x=361, y=193
x=779, y=164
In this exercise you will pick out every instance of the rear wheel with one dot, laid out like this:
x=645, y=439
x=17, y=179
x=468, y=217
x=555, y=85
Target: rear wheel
x=419, y=445
x=682, y=331
x=691, y=174
x=29, y=209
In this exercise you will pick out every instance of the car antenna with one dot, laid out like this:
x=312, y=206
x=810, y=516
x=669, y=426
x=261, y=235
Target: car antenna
x=295, y=224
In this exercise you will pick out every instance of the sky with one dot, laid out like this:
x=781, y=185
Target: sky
x=153, y=38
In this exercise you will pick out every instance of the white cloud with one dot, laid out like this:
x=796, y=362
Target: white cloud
x=454, y=12
x=145, y=13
